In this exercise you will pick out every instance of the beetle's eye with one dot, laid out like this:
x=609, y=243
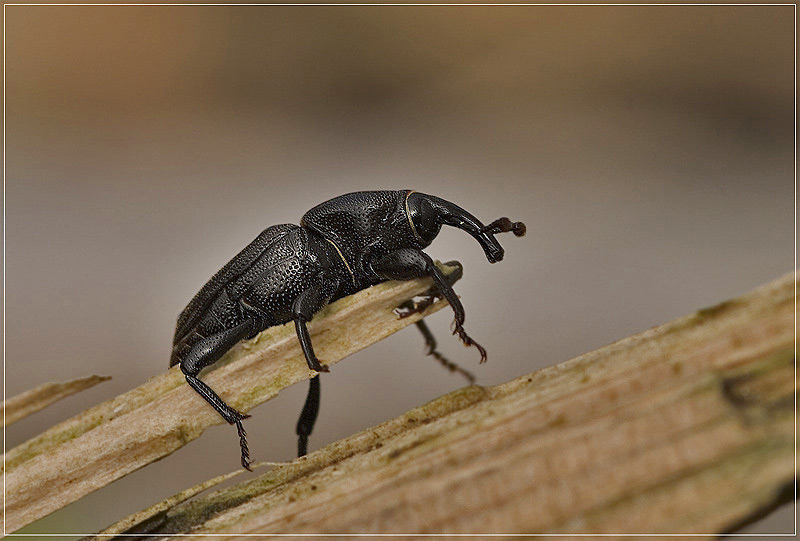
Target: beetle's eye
x=424, y=218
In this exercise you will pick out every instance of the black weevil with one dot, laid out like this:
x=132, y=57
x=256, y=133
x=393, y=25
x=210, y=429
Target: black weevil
x=288, y=273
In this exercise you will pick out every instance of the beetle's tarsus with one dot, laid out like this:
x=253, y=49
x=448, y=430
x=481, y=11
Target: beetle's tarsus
x=243, y=444
x=430, y=345
x=468, y=341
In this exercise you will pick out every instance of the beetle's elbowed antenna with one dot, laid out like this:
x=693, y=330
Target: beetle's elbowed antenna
x=428, y=213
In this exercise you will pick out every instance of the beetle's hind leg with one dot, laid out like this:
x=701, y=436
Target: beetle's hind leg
x=205, y=352
x=231, y=415
x=410, y=263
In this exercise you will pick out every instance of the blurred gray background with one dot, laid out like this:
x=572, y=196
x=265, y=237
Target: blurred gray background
x=648, y=149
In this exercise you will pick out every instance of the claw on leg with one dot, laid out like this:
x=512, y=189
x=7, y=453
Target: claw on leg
x=467, y=340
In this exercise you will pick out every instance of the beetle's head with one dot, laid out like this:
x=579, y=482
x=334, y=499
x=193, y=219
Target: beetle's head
x=428, y=213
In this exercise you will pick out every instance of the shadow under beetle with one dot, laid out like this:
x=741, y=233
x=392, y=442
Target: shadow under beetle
x=288, y=273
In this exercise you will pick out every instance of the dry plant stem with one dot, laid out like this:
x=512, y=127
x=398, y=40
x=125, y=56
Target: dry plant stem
x=36, y=399
x=147, y=516
x=117, y=437
x=684, y=428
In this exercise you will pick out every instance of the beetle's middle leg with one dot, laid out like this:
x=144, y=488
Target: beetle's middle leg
x=410, y=263
x=305, y=424
x=207, y=351
x=303, y=309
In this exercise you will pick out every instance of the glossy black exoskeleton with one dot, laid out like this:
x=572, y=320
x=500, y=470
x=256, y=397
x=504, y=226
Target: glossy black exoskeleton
x=290, y=272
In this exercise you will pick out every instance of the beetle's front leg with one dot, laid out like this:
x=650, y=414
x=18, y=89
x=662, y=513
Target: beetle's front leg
x=430, y=344
x=410, y=263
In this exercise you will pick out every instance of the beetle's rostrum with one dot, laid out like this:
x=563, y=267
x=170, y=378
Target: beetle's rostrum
x=290, y=272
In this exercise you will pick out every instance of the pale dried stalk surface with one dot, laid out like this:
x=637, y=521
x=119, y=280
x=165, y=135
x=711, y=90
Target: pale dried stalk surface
x=36, y=399
x=151, y=421
x=684, y=428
